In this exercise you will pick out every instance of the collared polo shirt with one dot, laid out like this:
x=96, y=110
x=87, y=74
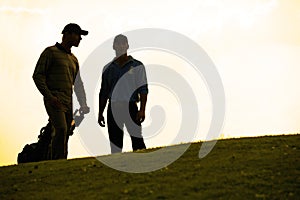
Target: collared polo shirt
x=133, y=81
x=56, y=71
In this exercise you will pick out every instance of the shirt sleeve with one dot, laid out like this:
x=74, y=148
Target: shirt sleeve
x=79, y=90
x=40, y=73
x=141, y=80
x=104, y=90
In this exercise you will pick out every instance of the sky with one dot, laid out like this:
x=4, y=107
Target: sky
x=254, y=44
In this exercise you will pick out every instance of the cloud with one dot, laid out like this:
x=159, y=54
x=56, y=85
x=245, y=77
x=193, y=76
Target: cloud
x=18, y=10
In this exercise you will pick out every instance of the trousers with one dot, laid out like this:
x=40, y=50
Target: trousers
x=61, y=121
x=117, y=117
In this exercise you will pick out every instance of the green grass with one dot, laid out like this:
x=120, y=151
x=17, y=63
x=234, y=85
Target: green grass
x=246, y=168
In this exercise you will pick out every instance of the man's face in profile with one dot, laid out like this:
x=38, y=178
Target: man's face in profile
x=72, y=38
x=75, y=38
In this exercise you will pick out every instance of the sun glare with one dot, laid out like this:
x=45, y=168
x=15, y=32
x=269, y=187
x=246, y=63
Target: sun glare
x=253, y=43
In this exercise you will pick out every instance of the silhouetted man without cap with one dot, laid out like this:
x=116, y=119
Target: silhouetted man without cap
x=123, y=97
x=56, y=71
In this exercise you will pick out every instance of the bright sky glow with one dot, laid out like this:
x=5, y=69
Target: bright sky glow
x=254, y=44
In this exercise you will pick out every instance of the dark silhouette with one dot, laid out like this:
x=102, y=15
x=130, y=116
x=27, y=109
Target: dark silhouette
x=41, y=150
x=124, y=98
x=56, y=71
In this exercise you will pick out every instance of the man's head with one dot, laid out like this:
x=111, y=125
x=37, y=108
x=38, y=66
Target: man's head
x=72, y=34
x=120, y=45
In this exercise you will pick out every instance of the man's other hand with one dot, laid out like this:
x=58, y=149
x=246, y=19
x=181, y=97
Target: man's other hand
x=56, y=103
x=101, y=121
x=84, y=110
x=140, y=117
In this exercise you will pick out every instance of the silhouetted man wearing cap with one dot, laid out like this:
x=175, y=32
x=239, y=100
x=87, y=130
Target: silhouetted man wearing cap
x=56, y=71
x=124, y=83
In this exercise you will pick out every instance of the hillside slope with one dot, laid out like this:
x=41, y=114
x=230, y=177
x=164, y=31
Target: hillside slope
x=246, y=168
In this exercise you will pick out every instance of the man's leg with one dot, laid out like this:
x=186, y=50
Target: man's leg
x=135, y=131
x=115, y=132
x=69, y=118
x=59, y=140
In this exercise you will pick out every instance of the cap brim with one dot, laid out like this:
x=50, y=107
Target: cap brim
x=83, y=32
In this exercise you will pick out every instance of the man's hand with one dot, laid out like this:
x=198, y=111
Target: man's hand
x=140, y=117
x=101, y=120
x=84, y=110
x=55, y=102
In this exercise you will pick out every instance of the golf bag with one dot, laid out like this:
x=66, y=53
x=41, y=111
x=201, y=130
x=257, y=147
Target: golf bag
x=41, y=150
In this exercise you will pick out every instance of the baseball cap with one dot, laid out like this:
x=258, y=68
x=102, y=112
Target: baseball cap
x=74, y=28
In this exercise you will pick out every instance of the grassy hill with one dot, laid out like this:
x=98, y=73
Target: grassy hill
x=246, y=168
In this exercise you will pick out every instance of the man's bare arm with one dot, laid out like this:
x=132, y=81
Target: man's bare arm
x=102, y=104
x=141, y=113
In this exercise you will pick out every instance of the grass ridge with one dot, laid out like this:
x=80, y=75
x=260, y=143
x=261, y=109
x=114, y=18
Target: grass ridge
x=265, y=167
